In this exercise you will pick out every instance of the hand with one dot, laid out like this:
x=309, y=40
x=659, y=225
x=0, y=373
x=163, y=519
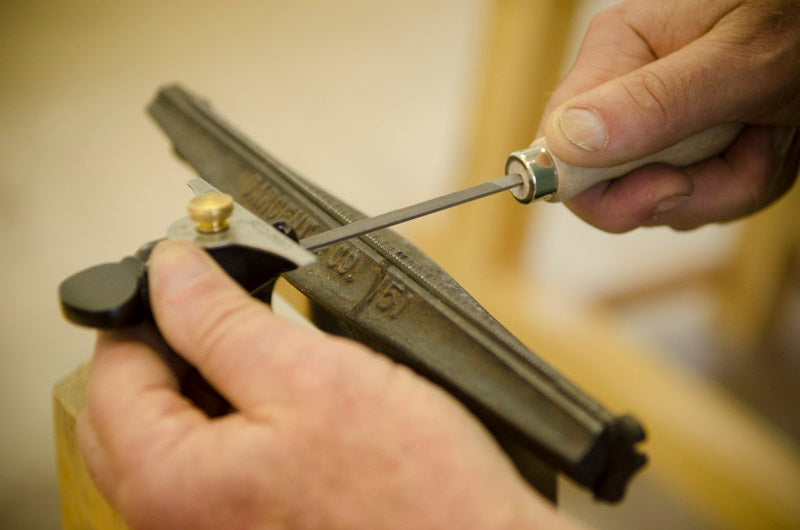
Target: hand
x=325, y=433
x=650, y=74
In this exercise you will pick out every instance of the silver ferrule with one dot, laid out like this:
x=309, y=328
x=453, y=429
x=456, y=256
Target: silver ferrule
x=540, y=178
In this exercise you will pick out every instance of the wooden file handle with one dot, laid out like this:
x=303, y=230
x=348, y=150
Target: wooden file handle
x=572, y=180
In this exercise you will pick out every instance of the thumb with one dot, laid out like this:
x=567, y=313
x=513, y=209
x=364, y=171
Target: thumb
x=244, y=351
x=649, y=109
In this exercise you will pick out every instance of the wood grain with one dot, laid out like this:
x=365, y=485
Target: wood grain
x=82, y=506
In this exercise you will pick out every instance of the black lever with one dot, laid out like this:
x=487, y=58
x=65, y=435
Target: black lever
x=116, y=295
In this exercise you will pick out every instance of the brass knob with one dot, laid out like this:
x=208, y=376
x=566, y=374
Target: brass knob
x=210, y=212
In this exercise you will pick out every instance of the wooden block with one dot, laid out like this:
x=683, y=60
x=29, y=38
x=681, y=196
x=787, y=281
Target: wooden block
x=82, y=506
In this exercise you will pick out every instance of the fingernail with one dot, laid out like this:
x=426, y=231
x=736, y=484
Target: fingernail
x=176, y=264
x=782, y=139
x=584, y=128
x=669, y=203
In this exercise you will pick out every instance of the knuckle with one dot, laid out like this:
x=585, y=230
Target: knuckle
x=616, y=224
x=653, y=94
x=686, y=224
x=613, y=221
x=217, y=330
x=602, y=20
x=611, y=17
x=758, y=195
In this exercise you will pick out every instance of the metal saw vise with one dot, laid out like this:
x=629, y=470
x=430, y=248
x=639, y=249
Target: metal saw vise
x=380, y=290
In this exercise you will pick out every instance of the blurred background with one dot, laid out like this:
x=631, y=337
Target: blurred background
x=386, y=104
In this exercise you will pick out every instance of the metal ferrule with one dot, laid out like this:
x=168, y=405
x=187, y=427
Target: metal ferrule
x=540, y=178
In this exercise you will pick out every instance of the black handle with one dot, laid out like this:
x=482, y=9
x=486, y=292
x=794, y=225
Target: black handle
x=115, y=295
x=106, y=296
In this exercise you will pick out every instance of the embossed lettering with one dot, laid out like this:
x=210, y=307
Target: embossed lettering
x=391, y=297
x=289, y=213
x=306, y=226
x=344, y=259
x=267, y=202
x=277, y=206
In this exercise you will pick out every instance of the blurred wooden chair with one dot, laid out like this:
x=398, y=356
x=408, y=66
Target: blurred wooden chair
x=755, y=280
x=750, y=284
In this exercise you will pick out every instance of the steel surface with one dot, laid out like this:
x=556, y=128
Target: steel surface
x=401, y=215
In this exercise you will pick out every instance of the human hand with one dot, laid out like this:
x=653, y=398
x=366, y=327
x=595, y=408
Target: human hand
x=650, y=74
x=325, y=433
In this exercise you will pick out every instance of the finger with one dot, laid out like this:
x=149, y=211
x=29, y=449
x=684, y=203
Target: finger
x=247, y=354
x=756, y=170
x=666, y=100
x=790, y=166
x=751, y=174
x=633, y=200
x=610, y=48
x=626, y=37
x=134, y=407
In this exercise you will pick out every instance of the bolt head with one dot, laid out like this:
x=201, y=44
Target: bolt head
x=210, y=212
